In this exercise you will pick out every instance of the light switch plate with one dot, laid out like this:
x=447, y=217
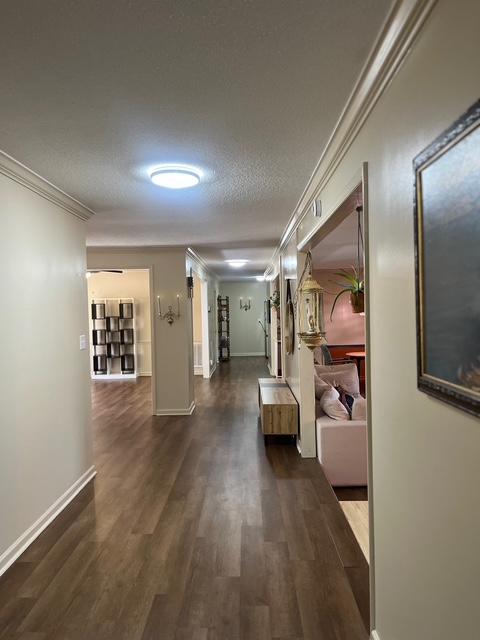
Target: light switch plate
x=83, y=343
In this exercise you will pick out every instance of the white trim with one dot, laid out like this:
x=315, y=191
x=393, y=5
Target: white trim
x=18, y=172
x=202, y=267
x=177, y=412
x=116, y=376
x=144, y=374
x=253, y=353
x=389, y=51
x=198, y=370
x=374, y=635
x=212, y=371
x=15, y=550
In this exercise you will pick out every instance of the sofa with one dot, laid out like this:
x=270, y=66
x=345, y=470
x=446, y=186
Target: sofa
x=341, y=443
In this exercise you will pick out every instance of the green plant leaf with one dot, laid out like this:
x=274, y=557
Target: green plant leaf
x=340, y=293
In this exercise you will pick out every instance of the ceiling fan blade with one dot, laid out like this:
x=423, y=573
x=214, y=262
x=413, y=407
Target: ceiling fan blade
x=105, y=271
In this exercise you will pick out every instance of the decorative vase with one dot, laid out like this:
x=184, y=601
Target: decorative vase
x=357, y=300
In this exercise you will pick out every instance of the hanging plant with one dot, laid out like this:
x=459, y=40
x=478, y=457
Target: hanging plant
x=275, y=300
x=352, y=283
x=355, y=286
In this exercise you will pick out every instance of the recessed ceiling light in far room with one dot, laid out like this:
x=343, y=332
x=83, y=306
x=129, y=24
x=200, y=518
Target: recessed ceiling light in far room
x=175, y=177
x=236, y=264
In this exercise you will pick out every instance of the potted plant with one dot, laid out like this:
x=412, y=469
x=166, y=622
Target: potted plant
x=355, y=286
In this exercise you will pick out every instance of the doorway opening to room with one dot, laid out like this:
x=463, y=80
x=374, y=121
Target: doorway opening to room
x=339, y=249
x=200, y=311
x=120, y=330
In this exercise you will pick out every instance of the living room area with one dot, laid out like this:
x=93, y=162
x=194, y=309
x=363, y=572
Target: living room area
x=340, y=364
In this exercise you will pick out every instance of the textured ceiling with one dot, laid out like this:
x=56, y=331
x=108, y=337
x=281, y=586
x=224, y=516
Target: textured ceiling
x=94, y=93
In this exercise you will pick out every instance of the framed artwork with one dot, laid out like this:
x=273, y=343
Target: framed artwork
x=447, y=264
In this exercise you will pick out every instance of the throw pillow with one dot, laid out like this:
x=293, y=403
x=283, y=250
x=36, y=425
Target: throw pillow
x=332, y=406
x=320, y=386
x=345, y=375
x=359, y=409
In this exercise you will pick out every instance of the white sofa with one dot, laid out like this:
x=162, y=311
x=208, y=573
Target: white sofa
x=342, y=444
x=342, y=450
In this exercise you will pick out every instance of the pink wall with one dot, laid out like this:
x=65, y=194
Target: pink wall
x=346, y=327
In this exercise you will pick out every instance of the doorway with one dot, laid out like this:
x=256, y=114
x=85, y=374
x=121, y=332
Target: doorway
x=200, y=332
x=120, y=328
x=339, y=251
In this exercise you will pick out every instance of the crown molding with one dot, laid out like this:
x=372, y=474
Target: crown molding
x=393, y=44
x=24, y=176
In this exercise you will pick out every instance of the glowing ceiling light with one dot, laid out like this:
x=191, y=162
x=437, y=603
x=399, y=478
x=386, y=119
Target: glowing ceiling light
x=260, y=278
x=237, y=264
x=175, y=177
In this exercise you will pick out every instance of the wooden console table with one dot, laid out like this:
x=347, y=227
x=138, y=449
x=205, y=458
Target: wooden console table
x=278, y=407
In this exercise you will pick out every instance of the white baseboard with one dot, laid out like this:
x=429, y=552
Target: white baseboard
x=105, y=377
x=15, y=550
x=253, y=353
x=212, y=371
x=176, y=412
x=374, y=635
x=144, y=374
x=198, y=370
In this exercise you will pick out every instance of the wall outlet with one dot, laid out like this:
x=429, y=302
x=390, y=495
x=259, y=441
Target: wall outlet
x=83, y=343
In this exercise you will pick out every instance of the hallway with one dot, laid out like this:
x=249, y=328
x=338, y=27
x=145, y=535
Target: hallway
x=191, y=532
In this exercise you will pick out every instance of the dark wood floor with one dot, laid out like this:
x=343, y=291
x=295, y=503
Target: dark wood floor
x=191, y=531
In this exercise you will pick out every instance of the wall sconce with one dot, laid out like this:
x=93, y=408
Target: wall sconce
x=309, y=304
x=245, y=305
x=170, y=316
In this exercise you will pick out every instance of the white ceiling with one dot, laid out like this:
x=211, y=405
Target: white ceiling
x=339, y=248
x=94, y=93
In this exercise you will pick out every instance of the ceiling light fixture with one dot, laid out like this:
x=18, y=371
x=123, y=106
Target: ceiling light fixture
x=175, y=177
x=260, y=278
x=237, y=264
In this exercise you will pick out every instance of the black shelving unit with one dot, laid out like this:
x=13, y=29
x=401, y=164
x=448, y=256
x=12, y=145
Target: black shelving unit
x=113, y=338
x=223, y=311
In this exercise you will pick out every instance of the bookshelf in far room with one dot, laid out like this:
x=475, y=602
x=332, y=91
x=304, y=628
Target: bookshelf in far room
x=112, y=343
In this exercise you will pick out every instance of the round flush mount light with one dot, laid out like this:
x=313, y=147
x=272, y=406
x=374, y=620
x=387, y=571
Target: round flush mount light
x=175, y=177
x=236, y=264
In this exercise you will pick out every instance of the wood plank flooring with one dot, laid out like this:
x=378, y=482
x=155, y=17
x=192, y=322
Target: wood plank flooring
x=356, y=513
x=191, y=530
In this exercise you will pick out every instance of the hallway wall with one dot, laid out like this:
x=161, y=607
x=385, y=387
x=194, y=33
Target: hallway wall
x=45, y=441
x=173, y=345
x=246, y=334
x=426, y=471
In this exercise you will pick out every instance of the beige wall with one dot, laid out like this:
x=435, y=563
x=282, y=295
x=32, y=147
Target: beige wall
x=246, y=334
x=426, y=470
x=129, y=284
x=45, y=446
x=173, y=345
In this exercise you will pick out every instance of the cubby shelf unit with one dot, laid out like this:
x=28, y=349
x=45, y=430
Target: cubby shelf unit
x=223, y=311
x=112, y=344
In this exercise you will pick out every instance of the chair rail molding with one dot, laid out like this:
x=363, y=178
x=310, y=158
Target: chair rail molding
x=18, y=172
x=392, y=46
